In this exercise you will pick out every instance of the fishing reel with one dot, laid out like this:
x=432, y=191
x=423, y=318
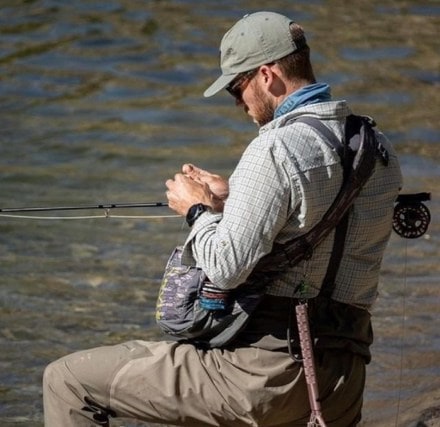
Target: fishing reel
x=411, y=217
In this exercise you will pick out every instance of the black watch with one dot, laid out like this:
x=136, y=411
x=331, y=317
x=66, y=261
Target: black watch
x=194, y=212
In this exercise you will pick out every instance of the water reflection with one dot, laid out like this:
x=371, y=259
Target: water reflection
x=101, y=101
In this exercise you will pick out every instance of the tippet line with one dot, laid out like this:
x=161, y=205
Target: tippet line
x=105, y=216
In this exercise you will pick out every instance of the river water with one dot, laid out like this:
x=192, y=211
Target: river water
x=101, y=102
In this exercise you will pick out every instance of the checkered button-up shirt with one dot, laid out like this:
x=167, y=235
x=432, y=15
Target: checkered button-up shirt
x=284, y=183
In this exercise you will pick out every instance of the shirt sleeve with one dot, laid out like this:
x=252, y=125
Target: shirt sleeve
x=227, y=247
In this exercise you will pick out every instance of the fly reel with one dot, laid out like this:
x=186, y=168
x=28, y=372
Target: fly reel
x=411, y=217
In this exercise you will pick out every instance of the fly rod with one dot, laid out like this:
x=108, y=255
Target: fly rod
x=413, y=199
x=84, y=207
x=410, y=220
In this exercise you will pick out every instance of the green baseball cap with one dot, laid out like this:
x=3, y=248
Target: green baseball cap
x=255, y=40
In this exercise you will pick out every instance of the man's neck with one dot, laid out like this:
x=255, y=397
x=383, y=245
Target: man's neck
x=303, y=95
x=290, y=87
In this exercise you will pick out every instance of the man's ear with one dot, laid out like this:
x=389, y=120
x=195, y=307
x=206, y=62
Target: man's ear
x=266, y=74
x=272, y=81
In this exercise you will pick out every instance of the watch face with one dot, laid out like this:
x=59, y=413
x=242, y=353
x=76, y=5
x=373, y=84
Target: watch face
x=194, y=212
x=194, y=209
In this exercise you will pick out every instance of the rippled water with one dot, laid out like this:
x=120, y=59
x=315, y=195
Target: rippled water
x=100, y=101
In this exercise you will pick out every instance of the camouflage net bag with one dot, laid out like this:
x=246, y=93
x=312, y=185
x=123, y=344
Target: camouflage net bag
x=190, y=307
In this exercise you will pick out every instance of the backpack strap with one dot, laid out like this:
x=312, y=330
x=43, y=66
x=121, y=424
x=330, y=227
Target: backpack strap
x=329, y=137
x=360, y=144
x=358, y=164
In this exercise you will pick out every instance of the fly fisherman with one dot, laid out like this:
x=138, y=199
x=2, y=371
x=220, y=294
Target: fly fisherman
x=284, y=183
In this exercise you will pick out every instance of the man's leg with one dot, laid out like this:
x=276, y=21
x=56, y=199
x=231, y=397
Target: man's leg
x=76, y=387
x=341, y=378
x=180, y=385
x=149, y=381
x=172, y=383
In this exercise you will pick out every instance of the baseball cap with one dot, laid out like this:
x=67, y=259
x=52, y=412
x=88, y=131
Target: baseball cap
x=256, y=39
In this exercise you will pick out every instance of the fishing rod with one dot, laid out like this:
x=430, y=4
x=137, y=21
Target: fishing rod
x=105, y=206
x=410, y=220
x=402, y=200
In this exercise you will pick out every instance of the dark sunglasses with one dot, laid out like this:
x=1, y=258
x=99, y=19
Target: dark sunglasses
x=235, y=88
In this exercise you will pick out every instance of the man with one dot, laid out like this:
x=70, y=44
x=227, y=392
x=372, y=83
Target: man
x=284, y=183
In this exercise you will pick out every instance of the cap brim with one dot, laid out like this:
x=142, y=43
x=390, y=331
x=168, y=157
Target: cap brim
x=219, y=84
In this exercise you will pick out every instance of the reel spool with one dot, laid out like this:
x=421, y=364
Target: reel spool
x=411, y=217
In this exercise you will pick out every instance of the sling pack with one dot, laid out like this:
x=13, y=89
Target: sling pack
x=358, y=156
x=190, y=307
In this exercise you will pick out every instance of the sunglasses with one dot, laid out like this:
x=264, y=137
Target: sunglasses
x=235, y=88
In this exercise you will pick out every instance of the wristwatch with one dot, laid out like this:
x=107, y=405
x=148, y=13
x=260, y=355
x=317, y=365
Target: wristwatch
x=194, y=212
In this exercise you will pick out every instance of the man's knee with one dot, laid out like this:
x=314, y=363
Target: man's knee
x=61, y=382
x=53, y=376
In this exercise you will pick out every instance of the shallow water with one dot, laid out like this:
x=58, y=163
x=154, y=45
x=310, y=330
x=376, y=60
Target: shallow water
x=101, y=102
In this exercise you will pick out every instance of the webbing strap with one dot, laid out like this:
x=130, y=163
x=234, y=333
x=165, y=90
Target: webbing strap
x=329, y=137
x=328, y=284
x=357, y=167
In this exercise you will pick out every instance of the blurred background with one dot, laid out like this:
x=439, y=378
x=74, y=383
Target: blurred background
x=101, y=101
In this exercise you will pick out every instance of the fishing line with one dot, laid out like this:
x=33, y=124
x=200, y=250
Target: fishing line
x=411, y=220
x=402, y=338
x=12, y=212
x=105, y=216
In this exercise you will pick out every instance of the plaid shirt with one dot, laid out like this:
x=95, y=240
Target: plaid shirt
x=284, y=183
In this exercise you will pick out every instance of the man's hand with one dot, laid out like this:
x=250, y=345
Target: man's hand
x=194, y=186
x=218, y=186
x=183, y=192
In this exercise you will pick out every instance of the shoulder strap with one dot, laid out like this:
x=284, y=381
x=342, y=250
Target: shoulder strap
x=332, y=141
x=329, y=137
x=329, y=281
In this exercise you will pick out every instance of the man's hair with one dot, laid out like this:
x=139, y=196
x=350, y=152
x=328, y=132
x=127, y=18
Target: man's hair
x=297, y=66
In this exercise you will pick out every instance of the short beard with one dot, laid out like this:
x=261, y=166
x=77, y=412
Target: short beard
x=265, y=111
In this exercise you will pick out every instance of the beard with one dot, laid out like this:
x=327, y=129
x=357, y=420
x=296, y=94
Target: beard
x=264, y=110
